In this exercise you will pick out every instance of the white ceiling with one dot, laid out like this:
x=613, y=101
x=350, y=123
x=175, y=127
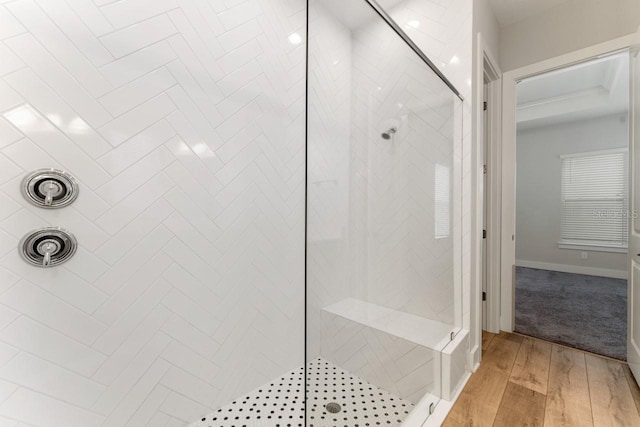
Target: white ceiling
x=583, y=91
x=511, y=11
x=354, y=14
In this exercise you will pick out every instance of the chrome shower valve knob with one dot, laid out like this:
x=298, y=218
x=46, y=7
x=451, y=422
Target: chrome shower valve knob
x=48, y=247
x=50, y=188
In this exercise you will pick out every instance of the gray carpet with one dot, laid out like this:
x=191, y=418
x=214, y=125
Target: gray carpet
x=585, y=312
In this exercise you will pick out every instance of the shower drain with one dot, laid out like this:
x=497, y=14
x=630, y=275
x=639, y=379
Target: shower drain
x=333, y=408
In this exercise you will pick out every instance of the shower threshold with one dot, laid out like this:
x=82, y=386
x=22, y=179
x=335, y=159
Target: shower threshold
x=336, y=398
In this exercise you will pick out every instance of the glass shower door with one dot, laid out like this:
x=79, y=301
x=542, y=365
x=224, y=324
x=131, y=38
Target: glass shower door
x=383, y=220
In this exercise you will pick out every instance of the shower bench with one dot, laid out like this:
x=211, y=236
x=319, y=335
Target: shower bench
x=426, y=356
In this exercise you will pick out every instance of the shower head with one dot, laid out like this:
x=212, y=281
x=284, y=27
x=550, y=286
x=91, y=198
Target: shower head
x=389, y=133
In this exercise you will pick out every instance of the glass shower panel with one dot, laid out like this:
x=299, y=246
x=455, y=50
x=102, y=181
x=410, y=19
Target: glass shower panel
x=383, y=230
x=183, y=125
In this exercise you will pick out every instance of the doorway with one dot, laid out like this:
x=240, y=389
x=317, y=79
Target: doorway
x=571, y=205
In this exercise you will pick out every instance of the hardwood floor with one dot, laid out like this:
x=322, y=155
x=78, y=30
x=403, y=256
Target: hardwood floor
x=528, y=382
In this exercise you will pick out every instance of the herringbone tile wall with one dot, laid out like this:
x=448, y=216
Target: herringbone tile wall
x=330, y=262
x=409, y=264
x=444, y=31
x=183, y=120
x=392, y=363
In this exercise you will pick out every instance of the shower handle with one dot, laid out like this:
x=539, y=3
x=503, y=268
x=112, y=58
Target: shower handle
x=51, y=187
x=47, y=249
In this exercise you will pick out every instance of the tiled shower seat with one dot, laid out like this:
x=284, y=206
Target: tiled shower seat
x=407, y=355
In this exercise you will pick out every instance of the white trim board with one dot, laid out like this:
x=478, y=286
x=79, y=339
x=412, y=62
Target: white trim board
x=485, y=62
x=577, y=269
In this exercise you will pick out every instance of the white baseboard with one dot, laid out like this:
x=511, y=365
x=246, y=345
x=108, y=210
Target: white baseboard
x=577, y=269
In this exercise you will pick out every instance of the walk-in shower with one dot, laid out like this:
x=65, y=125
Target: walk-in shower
x=383, y=230
x=233, y=213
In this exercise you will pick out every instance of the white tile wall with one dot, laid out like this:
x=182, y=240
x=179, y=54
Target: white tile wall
x=405, y=267
x=183, y=121
x=329, y=175
x=394, y=364
x=147, y=102
x=372, y=201
x=444, y=31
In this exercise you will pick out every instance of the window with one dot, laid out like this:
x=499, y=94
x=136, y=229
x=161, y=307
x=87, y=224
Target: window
x=442, y=202
x=595, y=200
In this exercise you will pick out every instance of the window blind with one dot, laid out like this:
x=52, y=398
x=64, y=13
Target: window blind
x=595, y=199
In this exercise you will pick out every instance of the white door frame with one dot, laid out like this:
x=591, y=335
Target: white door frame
x=492, y=73
x=508, y=151
x=485, y=64
x=633, y=346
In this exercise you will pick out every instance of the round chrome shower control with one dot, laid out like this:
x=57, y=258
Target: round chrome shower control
x=50, y=188
x=48, y=247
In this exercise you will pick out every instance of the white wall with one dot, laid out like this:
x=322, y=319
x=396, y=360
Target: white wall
x=184, y=123
x=485, y=23
x=570, y=26
x=538, y=188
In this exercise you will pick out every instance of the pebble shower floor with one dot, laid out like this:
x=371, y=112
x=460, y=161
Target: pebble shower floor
x=281, y=402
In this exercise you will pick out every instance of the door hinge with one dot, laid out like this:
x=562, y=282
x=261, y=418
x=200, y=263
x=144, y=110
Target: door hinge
x=484, y=169
x=484, y=234
x=484, y=106
x=484, y=296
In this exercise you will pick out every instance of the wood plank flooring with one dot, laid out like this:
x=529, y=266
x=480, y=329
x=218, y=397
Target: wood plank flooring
x=528, y=382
